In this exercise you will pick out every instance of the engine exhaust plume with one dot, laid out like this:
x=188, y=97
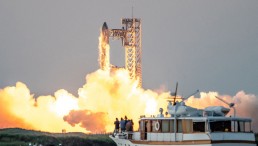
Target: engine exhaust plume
x=104, y=58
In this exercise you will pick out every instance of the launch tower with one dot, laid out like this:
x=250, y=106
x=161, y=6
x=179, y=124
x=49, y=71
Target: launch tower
x=130, y=35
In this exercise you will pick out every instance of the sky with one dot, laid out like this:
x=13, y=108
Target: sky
x=210, y=45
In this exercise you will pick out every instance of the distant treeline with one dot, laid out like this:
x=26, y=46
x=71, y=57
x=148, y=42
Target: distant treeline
x=21, y=137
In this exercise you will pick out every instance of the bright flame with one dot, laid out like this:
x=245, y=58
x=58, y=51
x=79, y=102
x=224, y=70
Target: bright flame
x=104, y=57
x=151, y=106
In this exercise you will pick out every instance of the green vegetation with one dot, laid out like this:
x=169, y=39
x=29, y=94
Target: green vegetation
x=21, y=137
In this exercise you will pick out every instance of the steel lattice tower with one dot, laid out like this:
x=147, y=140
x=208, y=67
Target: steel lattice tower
x=133, y=48
x=130, y=34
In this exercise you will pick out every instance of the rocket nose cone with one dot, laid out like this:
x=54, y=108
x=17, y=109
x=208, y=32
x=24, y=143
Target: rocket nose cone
x=104, y=27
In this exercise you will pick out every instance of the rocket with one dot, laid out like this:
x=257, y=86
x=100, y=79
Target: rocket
x=104, y=57
x=105, y=33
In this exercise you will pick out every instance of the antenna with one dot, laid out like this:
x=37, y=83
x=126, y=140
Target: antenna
x=132, y=11
x=132, y=8
x=175, y=94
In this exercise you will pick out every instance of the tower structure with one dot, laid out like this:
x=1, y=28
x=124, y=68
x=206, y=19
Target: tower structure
x=133, y=48
x=130, y=34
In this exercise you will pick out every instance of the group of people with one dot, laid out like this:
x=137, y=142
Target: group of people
x=124, y=125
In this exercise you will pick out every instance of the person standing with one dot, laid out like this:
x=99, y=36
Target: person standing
x=116, y=125
x=128, y=126
x=126, y=120
x=132, y=124
x=122, y=125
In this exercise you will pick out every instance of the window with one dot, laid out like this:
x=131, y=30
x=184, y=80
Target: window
x=247, y=126
x=234, y=126
x=220, y=126
x=148, y=125
x=171, y=125
x=198, y=126
x=187, y=125
x=165, y=126
x=179, y=126
x=142, y=126
x=241, y=126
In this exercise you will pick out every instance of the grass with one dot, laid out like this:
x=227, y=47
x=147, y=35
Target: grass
x=16, y=143
x=22, y=137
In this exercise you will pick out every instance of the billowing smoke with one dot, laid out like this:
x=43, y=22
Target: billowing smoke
x=20, y=109
x=8, y=119
x=115, y=94
x=246, y=104
x=94, y=122
x=104, y=97
x=8, y=101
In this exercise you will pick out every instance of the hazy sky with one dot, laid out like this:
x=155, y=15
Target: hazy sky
x=211, y=45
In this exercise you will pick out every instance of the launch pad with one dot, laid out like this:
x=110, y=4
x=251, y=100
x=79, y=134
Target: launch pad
x=130, y=35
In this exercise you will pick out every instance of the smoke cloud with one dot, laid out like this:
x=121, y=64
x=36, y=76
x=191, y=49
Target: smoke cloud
x=94, y=122
x=246, y=104
x=104, y=97
x=117, y=95
x=20, y=109
x=9, y=120
x=8, y=115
